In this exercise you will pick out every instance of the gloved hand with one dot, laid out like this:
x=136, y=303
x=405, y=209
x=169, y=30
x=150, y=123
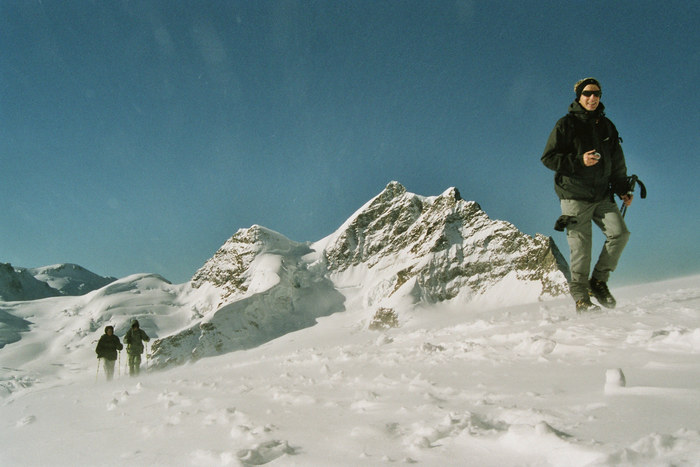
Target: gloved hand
x=563, y=222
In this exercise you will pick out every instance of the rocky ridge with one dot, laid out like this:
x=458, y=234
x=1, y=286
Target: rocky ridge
x=436, y=248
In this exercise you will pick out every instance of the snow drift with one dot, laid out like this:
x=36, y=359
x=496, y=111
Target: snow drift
x=519, y=385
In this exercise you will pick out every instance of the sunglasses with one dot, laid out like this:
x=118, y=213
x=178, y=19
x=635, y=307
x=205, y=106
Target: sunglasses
x=592, y=93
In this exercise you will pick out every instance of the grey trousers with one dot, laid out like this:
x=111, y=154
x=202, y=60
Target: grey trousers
x=109, y=368
x=607, y=216
x=134, y=364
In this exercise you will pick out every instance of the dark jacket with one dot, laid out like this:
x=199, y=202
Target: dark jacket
x=575, y=134
x=134, y=338
x=108, y=346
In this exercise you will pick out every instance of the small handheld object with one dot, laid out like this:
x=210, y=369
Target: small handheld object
x=596, y=155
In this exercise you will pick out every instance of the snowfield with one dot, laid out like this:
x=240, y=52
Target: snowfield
x=533, y=384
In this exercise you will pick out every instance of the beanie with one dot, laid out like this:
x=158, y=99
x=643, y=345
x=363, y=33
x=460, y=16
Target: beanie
x=582, y=83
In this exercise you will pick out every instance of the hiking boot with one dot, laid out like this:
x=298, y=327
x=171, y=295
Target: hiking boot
x=599, y=290
x=585, y=304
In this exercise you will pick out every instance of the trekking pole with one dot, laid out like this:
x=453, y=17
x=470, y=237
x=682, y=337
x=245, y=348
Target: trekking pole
x=119, y=364
x=98, y=368
x=147, y=355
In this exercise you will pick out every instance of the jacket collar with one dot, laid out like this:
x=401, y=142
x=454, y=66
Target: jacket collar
x=579, y=112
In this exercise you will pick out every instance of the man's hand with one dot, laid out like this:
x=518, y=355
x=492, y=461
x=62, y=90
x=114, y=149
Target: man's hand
x=627, y=199
x=591, y=158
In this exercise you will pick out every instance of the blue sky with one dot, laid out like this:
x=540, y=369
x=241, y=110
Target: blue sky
x=139, y=136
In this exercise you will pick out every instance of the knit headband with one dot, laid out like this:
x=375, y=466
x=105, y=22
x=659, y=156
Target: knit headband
x=578, y=87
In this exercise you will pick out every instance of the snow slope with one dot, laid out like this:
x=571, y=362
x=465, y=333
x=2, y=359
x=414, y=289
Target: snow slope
x=482, y=385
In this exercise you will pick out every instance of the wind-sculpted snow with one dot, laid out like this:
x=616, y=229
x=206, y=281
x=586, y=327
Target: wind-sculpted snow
x=285, y=307
x=532, y=384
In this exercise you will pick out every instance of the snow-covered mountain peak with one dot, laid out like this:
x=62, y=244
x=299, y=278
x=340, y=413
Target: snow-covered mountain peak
x=248, y=262
x=453, y=193
x=266, y=286
x=47, y=281
x=436, y=248
x=19, y=284
x=384, y=225
x=258, y=239
x=400, y=249
x=398, y=246
x=70, y=279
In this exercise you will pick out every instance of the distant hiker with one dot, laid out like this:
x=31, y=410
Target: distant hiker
x=134, y=338
x=107, y=348
x=585, y=153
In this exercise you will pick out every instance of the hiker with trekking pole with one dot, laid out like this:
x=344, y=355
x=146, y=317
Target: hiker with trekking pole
x=107, y=348
x=585, y=153
x=135, y=338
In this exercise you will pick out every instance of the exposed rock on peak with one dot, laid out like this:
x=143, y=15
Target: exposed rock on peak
x=435, y=248
x=233, y=267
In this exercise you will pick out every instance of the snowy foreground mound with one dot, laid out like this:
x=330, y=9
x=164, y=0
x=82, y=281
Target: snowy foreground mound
x=532, y=384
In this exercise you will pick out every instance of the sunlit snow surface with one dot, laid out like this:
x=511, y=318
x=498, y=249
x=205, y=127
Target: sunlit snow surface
x=522, y=385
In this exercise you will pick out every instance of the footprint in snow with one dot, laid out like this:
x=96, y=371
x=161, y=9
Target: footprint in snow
x=220, y=417
x=536, y=345
x=113, y=404
x=28, y=420
x=265, y=452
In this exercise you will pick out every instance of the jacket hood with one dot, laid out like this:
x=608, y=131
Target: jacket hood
x=135, y=323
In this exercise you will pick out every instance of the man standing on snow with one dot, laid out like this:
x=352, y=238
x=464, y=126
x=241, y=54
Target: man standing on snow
x=107, y=348
x=585, y=153
x=134, y=338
